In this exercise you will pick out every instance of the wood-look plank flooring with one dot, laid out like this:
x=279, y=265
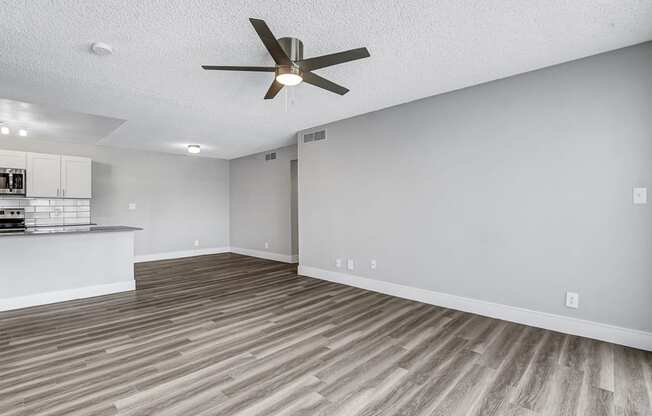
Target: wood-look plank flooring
x=233, y=335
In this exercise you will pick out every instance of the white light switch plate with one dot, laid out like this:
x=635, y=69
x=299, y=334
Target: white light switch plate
x=266, y=244
x=132, y=206
x=372, y=264
x=640, y=196
x=338, y=263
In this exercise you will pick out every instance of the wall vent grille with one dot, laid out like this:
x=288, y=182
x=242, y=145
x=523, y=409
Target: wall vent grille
x=314, y=136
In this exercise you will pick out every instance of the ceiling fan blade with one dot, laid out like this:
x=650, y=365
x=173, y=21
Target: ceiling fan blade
x=270, y=42
x=317, y=81
x=239, y=68
x=333, y=59
x=273, y=90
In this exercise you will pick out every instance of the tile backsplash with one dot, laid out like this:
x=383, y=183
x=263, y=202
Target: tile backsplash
x=41, y=211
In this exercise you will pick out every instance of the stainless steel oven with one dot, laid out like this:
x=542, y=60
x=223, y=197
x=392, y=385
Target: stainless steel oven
x=12, y=219
x=12, y=181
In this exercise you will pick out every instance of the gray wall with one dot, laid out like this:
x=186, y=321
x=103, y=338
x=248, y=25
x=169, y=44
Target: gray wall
x=179, y=199
x=260, y=196
x=513, y=191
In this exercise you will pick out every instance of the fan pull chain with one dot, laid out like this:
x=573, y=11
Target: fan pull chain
x=286, y=99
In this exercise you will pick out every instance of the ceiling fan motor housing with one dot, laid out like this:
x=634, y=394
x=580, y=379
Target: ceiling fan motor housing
x=289, y=69
x=293, y=47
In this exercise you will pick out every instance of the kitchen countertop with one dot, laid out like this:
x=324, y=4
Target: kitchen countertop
x=72, y=229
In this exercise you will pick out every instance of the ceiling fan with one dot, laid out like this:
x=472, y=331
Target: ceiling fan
x=291, y=69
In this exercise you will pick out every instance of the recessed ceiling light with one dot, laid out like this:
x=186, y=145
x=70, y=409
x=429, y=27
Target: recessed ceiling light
x=101, y=49
x=22, y=132
x=5, y=130
x=194, y=148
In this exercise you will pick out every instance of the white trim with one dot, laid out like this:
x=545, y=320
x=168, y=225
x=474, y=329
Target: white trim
x=285, y=258
x=7, y=304
x=294, y=258
x=179, y=254
x=568, y=325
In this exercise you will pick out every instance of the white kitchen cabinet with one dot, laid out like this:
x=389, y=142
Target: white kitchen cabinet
x=52, y=176
x=13, y=160
x=75, y=177
x=43, y=175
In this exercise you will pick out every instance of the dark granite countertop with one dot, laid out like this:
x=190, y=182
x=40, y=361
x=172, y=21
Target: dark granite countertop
x=71, y=229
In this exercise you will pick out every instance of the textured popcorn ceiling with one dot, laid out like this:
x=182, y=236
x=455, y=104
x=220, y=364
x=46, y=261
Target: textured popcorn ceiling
x=154, y=81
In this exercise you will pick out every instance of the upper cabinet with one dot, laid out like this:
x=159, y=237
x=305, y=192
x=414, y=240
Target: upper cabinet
x=75, y=177
x=43, y=175
x=57, y=176
x=12, y=160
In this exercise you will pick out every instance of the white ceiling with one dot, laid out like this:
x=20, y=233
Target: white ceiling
x=154, y=81
x=53, y=124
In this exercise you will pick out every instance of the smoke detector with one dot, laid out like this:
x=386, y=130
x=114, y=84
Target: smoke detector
x=101, y=49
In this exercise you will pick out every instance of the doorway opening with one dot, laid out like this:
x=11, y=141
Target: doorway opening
x=294, y=209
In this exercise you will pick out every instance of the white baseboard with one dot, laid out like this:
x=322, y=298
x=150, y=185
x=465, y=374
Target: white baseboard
x=216, y=250
x=179, y=254
x=565, y=324
x=7, y=304
x=285, y=258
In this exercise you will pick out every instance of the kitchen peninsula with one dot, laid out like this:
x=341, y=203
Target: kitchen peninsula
x=49, y=249
x=41, y=266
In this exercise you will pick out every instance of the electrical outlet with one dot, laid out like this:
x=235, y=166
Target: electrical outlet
x=196, y=243
x=372, y=264
x=640, y=196
x=266, y=244
x=572, y=300
x=132, y=206
x=349, y=264
x=338, y=263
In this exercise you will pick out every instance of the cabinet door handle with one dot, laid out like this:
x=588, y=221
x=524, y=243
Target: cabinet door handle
x=57, y=191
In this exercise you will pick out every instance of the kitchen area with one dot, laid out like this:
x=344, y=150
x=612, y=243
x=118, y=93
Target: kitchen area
x=50, y=249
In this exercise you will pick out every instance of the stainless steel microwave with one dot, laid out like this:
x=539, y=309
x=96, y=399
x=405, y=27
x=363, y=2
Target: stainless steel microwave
x=12, y=181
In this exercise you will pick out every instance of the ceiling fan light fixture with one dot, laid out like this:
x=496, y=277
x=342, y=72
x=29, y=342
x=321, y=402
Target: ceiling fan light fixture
x=289, y=76
x=290, y=67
